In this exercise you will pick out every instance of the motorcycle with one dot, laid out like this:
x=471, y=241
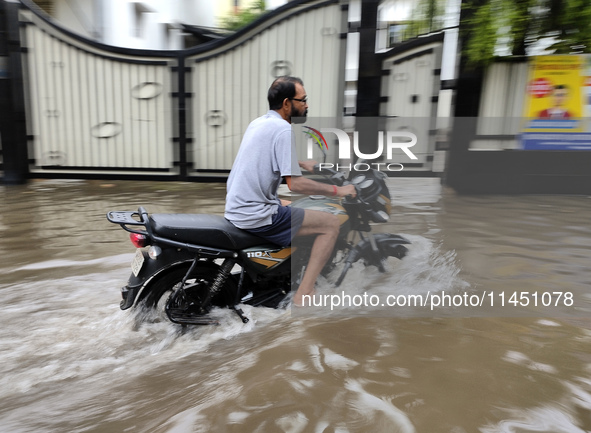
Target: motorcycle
x=187, y=264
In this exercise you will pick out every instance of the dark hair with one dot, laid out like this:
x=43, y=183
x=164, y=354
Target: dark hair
x=282, y=87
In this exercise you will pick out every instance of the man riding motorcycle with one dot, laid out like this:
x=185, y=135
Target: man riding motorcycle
x=265, y=156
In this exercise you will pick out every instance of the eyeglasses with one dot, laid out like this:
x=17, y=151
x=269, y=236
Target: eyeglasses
x=300, y=100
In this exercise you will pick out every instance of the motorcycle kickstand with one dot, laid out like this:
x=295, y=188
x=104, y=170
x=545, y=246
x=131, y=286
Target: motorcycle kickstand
x=240, y=314
x=235, y=306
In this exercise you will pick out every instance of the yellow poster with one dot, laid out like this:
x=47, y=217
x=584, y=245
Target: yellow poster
x=554, y=88
x=557, y=101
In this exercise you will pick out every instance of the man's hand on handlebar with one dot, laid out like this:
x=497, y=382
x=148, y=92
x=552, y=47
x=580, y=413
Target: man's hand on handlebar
x=347, y=190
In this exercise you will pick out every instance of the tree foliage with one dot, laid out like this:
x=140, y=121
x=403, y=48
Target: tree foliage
x=244, y=17
x=427, y=17
x=493, y=28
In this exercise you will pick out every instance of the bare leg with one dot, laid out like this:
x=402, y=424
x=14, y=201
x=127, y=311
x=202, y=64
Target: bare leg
x=326, y=227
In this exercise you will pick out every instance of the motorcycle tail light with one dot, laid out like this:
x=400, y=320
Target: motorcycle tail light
x=139, y=241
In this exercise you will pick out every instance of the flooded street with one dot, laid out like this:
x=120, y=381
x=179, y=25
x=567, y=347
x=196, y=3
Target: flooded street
x=72, y=361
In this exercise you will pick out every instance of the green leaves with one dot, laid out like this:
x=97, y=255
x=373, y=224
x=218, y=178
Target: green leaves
x=493, y=28
x=245, y=17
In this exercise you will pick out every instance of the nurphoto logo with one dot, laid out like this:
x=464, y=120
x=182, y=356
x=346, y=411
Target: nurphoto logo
x=388, y=141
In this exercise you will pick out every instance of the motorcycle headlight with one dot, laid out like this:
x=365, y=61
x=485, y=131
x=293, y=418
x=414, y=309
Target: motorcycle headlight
x=384, y=215
x=373, y=191
x=380, y=217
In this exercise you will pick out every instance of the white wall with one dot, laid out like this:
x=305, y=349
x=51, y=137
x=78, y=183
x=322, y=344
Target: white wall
x=134, y=24
x=78, y=16
x=144, y=24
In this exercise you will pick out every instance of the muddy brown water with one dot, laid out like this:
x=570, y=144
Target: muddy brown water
x=71, y=361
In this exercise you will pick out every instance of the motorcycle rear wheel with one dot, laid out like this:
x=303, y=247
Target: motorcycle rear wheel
x=163, y=291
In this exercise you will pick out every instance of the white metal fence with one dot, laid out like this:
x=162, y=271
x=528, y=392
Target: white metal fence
x=230, y=85
x=94, y=109
x=412, y=87
x=501, y=106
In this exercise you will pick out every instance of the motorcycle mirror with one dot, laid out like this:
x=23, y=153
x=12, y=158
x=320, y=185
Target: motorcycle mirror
x=339, y=178
x=324, y=154
x=325, y=171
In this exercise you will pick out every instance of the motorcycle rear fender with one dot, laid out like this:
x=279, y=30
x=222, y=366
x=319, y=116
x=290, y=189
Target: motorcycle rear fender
x=170, y=258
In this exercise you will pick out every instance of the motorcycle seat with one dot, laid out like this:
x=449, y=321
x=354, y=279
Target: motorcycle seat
x=212, y=231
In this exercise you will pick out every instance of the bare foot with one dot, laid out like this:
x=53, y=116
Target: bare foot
x=298, y=298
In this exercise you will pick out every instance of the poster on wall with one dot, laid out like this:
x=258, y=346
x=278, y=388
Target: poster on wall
x=557, y=103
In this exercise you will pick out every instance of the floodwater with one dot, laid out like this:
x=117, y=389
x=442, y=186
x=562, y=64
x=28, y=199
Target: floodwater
x=71, y=361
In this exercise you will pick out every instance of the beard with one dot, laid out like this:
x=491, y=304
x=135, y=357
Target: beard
x=298, y=116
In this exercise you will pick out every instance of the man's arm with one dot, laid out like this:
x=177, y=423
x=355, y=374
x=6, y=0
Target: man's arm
x=308, y=165
x=303, y=185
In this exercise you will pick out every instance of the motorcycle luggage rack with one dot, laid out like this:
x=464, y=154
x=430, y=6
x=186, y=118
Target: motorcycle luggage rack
x=140, y=218
x=130, y=218
x=123, y=217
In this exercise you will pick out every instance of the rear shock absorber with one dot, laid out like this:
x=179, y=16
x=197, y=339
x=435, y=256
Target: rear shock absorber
x=219, y=280
x=221, y=277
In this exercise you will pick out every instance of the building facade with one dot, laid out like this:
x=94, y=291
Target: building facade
x=144, y=24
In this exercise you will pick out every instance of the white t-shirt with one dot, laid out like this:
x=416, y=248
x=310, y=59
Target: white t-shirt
x=266, y=154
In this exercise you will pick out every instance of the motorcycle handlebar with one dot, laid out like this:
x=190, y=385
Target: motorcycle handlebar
x=357, y=198
x=324, y=171
x=338, y=178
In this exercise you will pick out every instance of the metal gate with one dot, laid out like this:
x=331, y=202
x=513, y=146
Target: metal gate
x=99, y=111
x=410, y=89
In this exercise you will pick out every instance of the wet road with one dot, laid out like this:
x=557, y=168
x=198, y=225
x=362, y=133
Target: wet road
x=71, y=361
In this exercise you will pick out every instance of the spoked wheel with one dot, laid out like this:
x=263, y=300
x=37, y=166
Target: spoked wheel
x=192, y=305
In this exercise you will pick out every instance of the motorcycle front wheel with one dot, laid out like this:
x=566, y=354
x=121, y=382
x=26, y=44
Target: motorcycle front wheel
x=193, y=304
